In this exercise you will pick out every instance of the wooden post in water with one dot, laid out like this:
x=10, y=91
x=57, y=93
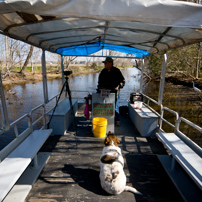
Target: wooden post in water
x=45, y=88
x=142, y=74
x=162, y=81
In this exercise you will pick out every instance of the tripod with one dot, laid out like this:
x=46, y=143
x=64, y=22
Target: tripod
x=67, y=90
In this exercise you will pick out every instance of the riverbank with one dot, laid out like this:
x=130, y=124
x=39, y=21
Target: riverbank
x=182, y=79
x=33, y=77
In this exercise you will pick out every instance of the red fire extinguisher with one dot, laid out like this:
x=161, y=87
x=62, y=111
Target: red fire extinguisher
x=89, y=102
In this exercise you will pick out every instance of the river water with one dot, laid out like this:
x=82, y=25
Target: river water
x=25, y=97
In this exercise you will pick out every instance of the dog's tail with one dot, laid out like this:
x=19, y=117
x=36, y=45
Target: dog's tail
x=133, y=190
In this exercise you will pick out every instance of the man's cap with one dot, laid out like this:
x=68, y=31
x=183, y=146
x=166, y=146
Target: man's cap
x=108, y=59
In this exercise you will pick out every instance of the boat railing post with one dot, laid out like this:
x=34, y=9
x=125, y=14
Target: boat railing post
x=30, y=125
x=62, y=68
x=4, y=107
x=16, y=131
x=162, y=82
x=177, y=124
x=142, y=73
x=161, y=118
x=44, y=116
x=148, y=102
x=45, y=88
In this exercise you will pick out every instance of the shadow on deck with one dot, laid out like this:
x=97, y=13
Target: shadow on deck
x=72, y=172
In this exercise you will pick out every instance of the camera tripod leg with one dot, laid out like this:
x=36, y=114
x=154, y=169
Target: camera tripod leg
x=67, y=90
x=72, y=109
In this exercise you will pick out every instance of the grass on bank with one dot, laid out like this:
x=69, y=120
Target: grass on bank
x=75, y=69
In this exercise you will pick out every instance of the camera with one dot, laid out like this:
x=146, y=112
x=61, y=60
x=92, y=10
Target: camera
x=67, y=73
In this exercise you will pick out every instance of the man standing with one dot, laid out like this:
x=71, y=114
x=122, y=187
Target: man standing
x=111, y=78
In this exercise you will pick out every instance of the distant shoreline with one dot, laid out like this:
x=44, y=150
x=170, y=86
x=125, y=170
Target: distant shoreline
x=33, y=77
x=16, y=78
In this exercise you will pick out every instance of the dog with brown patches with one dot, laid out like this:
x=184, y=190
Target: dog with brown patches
x=112, y=176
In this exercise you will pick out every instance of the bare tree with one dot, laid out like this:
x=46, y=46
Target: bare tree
x=10, y=55
x=68, y=60
x=88, y=61
x=27, y=60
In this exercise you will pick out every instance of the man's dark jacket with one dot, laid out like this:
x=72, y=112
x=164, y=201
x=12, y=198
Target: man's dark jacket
x=111, y=79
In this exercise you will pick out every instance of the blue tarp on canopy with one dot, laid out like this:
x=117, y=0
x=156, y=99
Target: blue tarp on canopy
x=87, y=49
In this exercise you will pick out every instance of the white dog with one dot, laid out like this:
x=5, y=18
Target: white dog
x=112, y=176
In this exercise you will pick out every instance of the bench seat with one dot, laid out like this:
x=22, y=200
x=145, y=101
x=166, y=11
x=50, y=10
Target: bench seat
x=12, y=167
x=144, y=120
x=62, y=117
x=184, y=155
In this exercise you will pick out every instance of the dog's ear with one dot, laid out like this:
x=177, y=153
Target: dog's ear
x=107, y=140
x=109, y=133
x=117, y=140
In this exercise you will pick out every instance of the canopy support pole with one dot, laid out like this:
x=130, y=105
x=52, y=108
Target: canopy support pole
x=142, y=74
x=162, y=82
x=45, y=87
x=4, y=107
x=62, y=68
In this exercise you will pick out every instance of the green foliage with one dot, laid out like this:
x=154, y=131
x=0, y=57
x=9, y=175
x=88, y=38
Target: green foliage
x=16, y=68
x=28, y=68
x=176, y=61
x=154, y=63
x=37, y=68
x=182, y=59
x=93, y=66
x=185, y=59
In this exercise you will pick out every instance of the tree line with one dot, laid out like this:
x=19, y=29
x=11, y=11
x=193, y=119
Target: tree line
x=186, y=60
x=15, y=56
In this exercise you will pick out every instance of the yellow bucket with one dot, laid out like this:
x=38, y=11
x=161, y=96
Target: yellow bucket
x=99, y=127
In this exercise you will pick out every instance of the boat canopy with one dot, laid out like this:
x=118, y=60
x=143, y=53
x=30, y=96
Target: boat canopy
x=83, y=27
x=87, y=49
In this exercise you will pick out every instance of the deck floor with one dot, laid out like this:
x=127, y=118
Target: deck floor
x=72, y=171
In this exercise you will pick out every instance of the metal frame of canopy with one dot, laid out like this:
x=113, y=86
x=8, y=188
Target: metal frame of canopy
x=31, y=22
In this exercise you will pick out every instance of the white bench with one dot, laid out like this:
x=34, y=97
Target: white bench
x=144, y=120
x=62, y=117
x=13, y=166
x=190, y=161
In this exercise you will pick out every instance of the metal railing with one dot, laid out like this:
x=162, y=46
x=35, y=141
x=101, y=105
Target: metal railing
x=20, y=137
x=176, y=127
x=23, y=135
x=41, y=117
x=162, y=119
x=186, y=139
x=148, y=102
